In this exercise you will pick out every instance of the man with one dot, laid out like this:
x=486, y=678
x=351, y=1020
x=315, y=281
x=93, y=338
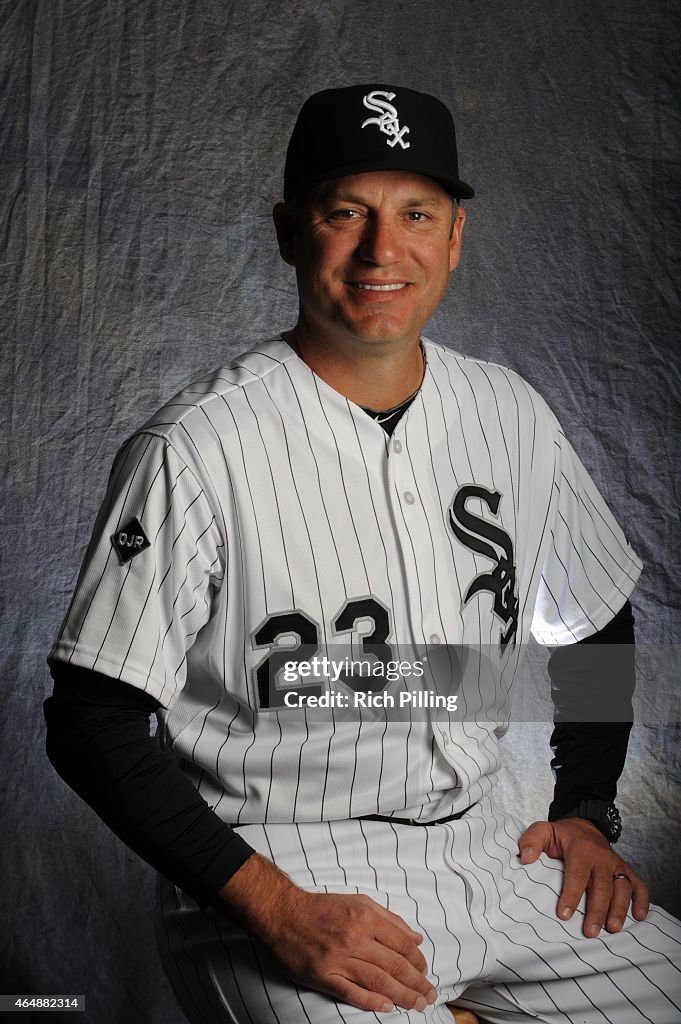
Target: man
x=350, y=485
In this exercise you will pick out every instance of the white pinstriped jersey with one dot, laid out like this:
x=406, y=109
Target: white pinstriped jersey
x=277, y=509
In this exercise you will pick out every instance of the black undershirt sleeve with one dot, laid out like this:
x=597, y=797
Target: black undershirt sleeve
x=98, y=741
x=592, y=679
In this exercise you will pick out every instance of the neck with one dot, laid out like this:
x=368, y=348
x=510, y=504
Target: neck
x=378, y=378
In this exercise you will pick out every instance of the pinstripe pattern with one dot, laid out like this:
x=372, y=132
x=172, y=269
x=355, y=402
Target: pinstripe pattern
x=489, y=924
x=263, y=492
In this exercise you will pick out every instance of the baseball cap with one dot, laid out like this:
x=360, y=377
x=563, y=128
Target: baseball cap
x=374, y=127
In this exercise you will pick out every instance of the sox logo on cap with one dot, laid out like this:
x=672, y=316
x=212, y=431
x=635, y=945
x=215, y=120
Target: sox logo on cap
x=388, y=122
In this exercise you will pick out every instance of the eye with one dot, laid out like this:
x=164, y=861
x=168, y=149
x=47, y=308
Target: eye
x=344, y=214
x=417, y=216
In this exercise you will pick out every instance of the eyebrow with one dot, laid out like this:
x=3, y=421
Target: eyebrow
x=349, y=197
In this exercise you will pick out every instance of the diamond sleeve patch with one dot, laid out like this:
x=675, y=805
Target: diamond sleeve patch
x=129, y=541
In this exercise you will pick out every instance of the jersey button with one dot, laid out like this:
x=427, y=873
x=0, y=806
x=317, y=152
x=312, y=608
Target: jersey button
x=397, y=445
x=409, y=498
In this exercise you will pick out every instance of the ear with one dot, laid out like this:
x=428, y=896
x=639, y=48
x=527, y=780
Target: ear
x=455, y=239
x=285, y=227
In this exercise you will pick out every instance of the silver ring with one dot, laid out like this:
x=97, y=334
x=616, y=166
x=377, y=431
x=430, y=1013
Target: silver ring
x=621, y=874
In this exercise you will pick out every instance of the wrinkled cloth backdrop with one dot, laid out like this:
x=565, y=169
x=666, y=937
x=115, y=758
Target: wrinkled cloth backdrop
x=142, y=150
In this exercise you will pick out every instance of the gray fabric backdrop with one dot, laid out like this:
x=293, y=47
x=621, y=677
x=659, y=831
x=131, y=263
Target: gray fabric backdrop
x=142, y=149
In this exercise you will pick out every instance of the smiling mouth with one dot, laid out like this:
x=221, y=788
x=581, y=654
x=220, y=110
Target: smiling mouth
x=379, y=287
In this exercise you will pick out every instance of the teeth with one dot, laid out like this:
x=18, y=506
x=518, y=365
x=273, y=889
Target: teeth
x=379, y=287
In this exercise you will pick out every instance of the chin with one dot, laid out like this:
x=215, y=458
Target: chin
x=379, y=329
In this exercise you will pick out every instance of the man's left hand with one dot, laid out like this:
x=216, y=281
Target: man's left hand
x=590, y=866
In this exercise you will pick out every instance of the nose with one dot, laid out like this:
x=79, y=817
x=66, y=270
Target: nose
x=381, y=243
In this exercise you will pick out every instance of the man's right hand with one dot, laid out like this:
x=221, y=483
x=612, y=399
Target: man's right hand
x=347, y=946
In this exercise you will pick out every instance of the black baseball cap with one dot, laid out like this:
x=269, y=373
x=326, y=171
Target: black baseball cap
x=374, y=127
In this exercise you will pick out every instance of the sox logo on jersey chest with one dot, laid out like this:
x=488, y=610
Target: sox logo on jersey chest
x=471, y=530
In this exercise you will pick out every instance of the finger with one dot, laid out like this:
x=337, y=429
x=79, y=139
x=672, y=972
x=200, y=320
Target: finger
x=641, y=898
x=374, y=978
x=355, y=995
x=575, y=882
x=533, y=841
x=403, y=971
x=622, y=892
x=400, y=941
x=598, y=900
x=398, y=921
x=381, y=957
x=415, y=994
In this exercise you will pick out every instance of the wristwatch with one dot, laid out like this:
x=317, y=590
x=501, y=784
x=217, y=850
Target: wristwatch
x=603, y=814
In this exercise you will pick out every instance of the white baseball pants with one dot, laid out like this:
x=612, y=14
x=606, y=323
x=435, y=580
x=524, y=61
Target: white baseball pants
x=493, y=941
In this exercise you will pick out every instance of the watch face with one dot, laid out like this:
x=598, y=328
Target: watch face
x=614, y=823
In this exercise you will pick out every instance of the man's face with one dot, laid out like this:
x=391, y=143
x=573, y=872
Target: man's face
x=372, y=254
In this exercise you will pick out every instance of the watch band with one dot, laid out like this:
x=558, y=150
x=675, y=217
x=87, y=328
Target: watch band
x=602, y=813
